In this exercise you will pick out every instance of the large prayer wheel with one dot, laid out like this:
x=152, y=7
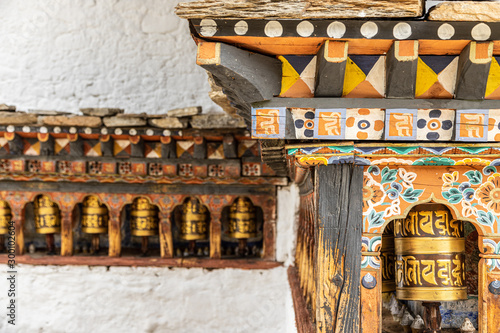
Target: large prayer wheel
x=47, y=216
x=242, y=222
x=144, y=218
x=94, y=216
x=388, y=259
x=430, y=255
x=194, y=220
x=5, y=217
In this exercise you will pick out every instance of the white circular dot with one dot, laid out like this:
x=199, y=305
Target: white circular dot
x=481, y=32
x=166, y=133
x=72, y=130
x=44, y=130
x=241, y=28
x=150, y=132
x=305, y=29
x=118, y=131
x=446, y=31
x=132, y=131
x=26, y=129
x=369, y=29
x=336, y=30
x=273, y=29
x=401, y=30
x=88, y=130
x=208, y=27
x=104, y=131
x=11, y=128
x=57, y=129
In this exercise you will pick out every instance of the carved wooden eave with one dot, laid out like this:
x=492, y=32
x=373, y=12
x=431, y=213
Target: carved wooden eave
x=298, y=9
x=290, y=77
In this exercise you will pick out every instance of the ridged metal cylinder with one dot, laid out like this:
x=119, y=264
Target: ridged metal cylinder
x=430, y=255
x=194, y=220
x=242, y=222
x=388, y=259
x=47, y=216
x=144, y=218
x=95, y=216
x=5, y=217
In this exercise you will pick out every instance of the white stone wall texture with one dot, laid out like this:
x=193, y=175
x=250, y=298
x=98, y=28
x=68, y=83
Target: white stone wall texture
x=137, y=55
x=132, y=54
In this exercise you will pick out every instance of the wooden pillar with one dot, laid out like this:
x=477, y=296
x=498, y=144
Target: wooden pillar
x=489, y=294
x=114, y=229
x=215, y=234
x=338, y=247
x=269, y=231
x=166, y=241
x=18, y=218
x=371, y=294
x=66, y=231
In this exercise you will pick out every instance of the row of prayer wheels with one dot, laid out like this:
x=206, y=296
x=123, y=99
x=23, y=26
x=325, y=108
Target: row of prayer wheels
x=144, y=219
x=423, y=259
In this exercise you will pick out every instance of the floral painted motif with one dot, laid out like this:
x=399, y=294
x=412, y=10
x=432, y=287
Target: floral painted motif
x=395, y=185
x=488, y=194
x=373, y=193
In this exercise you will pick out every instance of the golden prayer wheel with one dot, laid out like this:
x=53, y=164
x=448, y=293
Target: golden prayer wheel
x=430, y=255
x=388, y=259
x=242, y=223
x=5, y=217
x=47, y=216
x=194, y=220
x=144, y=218
x=94, y=216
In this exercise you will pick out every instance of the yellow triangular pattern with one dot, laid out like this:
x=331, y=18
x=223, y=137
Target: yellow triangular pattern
x=353, y=77
x=426, y=77
x=289, y=75
x=493, y=77
x=95, y=151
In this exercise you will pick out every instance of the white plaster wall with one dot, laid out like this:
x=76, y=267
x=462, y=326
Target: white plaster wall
x=77, y=299
x=133, y=54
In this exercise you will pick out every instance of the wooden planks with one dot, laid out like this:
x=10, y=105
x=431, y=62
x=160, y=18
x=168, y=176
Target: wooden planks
x=303, y=318
x=338, y=254
x=332, y=58
x=246, y=77
x=401, y=71
x=473, y=69
x=298, y=9
x=144, y=261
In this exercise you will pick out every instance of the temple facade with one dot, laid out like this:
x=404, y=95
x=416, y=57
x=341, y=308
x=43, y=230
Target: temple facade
x=386, y=117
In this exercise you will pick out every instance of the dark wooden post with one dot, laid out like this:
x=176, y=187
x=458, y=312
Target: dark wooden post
x=215, y=234
x=66, y=231
x=166, y=242
x=338, y=247
x=114, y=229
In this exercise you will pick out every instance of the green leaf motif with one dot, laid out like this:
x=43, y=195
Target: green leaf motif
x=411, y=195
x=485, y=218
x=475, y=177
x=375, y=219
x=453, y=196
x=388, y=175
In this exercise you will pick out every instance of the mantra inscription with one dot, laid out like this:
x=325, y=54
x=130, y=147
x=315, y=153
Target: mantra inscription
x=430, y=255
x=388, y=259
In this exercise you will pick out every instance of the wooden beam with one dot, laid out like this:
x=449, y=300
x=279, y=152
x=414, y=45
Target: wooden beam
x=401, y=69
x=332, y=58
x=246, y=77
x=377, y=103
x=303, y=318
x=338, y=255
x=473, y=69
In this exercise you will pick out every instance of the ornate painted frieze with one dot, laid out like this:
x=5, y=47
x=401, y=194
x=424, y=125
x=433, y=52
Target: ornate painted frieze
x=434, y=125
